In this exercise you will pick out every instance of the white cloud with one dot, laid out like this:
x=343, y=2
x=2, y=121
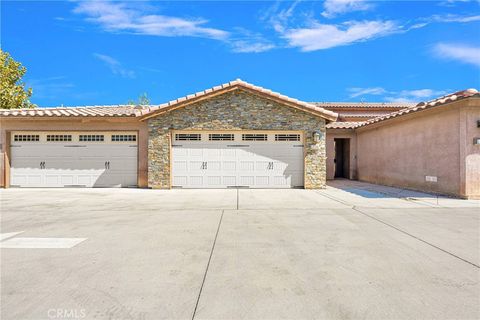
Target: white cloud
x=324, y=36
x=415, y=95
x=114, y=65
x=122, y=17
x=246, y=41
x=460, y=52
x=357, y=92
x=246, y=46
x=335, y=7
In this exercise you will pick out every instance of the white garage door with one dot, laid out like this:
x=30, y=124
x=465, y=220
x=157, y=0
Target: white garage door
x=73, y=159
x=244, y=159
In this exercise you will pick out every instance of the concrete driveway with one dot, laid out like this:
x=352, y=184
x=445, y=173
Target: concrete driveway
x=352, y=251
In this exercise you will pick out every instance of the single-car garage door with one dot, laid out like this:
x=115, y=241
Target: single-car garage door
x=237, y=159
x=73, y=159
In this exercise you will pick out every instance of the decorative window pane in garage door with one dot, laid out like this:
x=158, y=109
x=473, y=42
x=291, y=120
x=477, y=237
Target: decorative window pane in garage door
x=26, y=137
x=287, y=137
x=254, y=137
x=221, y=137
x=59, y=137
x=188, y=137
x=91, y=137
x=124, y=137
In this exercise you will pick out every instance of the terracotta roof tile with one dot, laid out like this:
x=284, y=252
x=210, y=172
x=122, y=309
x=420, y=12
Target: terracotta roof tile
x=342, y=125
x=362, y=105
x=90, y=111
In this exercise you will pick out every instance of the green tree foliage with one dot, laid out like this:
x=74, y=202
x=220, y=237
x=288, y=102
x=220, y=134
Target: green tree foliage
x=13, y=94
x=142, y=100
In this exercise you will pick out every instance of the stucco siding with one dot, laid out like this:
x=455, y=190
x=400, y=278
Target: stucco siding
x=236, y=110
x=472, y=151
x=404, y=151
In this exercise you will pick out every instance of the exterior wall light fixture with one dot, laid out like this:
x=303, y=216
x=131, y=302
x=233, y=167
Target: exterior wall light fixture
x=317, y=135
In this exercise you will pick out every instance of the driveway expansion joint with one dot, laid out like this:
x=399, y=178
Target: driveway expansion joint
x=208, y=265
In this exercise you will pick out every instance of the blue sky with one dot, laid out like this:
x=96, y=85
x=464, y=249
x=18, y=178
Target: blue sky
x=86, y=53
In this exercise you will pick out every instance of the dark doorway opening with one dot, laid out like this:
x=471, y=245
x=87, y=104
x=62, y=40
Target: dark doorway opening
x=342, y=158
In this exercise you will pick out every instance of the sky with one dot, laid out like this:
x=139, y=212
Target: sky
x=109, y=52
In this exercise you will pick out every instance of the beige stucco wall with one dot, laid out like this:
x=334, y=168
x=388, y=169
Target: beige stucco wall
x=236, y=110
x=436, y=142
x=75, y=124
x=341, y=134
x=471, y=154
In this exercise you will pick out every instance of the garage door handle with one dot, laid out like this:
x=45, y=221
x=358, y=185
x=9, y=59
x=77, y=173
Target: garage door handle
x=107, y=164
x=42, y=165
x=204, y=165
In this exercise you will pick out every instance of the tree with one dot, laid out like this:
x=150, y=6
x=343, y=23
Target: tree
x=13, y=94
x=142, y=100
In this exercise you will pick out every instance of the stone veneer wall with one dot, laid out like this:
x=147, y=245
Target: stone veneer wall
x=236, y=110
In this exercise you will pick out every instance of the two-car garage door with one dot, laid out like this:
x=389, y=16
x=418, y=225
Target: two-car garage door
x=73, y=159
x=237, y=159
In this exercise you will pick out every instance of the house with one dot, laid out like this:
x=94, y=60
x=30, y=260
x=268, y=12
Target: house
x=241, y=135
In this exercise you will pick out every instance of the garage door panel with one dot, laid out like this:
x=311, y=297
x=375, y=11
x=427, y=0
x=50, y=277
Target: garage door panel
x=247, y=166
x=195, y=166
x=179, y=166
x=196, y=181
x=179, y=152
x=214, y=181
x=262, y=181
x=195, y=152
x=229, y=166
x=229, y=181
x=228, y=153
x=180, y=180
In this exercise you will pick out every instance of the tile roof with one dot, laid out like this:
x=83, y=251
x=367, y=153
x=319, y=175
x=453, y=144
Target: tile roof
x=424, y=106
x=89, y=111
x=342, y=125
x=363, y=105
x=237, y=84
x=146, y=112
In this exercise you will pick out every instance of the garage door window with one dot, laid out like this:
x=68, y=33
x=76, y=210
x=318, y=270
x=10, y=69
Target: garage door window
x=188, y=137
x=124, y=137
x=254, y=137
x=287, y=137
x=220, y=137
x=91, y=137
x=59, y=137
x=26, y=137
